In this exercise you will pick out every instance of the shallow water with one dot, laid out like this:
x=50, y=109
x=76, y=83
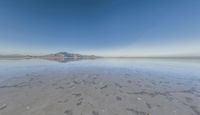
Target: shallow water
x=185, y=68
x=100, y=87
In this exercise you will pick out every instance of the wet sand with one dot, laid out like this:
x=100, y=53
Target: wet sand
x=99, y=91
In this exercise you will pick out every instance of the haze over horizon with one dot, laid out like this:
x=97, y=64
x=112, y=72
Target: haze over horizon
x=100, y=27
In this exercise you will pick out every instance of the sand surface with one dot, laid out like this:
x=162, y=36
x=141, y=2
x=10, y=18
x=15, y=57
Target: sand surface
x=99, y=91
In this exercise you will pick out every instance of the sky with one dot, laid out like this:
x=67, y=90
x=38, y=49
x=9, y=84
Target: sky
x=101, y=27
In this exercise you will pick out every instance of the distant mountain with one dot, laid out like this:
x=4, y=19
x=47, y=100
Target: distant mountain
x=56, y=56
x=64, y=55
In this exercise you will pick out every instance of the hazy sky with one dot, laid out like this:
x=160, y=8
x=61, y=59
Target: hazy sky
x=101, y=27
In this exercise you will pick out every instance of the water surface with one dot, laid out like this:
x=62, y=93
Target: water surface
x=188, y=68
x=100, y=87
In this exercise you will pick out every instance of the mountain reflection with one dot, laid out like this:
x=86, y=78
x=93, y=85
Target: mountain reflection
x=67, y=60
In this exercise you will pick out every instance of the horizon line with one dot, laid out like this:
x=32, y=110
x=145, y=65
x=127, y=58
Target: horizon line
x=156, y=56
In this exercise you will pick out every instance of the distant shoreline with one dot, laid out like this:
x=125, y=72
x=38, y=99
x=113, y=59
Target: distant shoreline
x=42, y=57
x=66, y=55
x=154, y=57
x=52, y=58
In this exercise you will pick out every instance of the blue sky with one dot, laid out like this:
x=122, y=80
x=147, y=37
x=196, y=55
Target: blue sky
x=101, y=27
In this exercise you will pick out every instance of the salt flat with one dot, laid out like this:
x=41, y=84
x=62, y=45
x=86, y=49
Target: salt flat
x=100, y=87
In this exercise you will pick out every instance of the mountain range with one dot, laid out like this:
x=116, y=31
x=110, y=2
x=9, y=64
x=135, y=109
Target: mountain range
x=64, y=55
x=55, y=56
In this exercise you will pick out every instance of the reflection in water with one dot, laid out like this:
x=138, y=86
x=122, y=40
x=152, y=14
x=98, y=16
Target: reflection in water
x=66, y=60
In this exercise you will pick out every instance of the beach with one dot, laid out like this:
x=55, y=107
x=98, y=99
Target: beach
x=100, y=87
